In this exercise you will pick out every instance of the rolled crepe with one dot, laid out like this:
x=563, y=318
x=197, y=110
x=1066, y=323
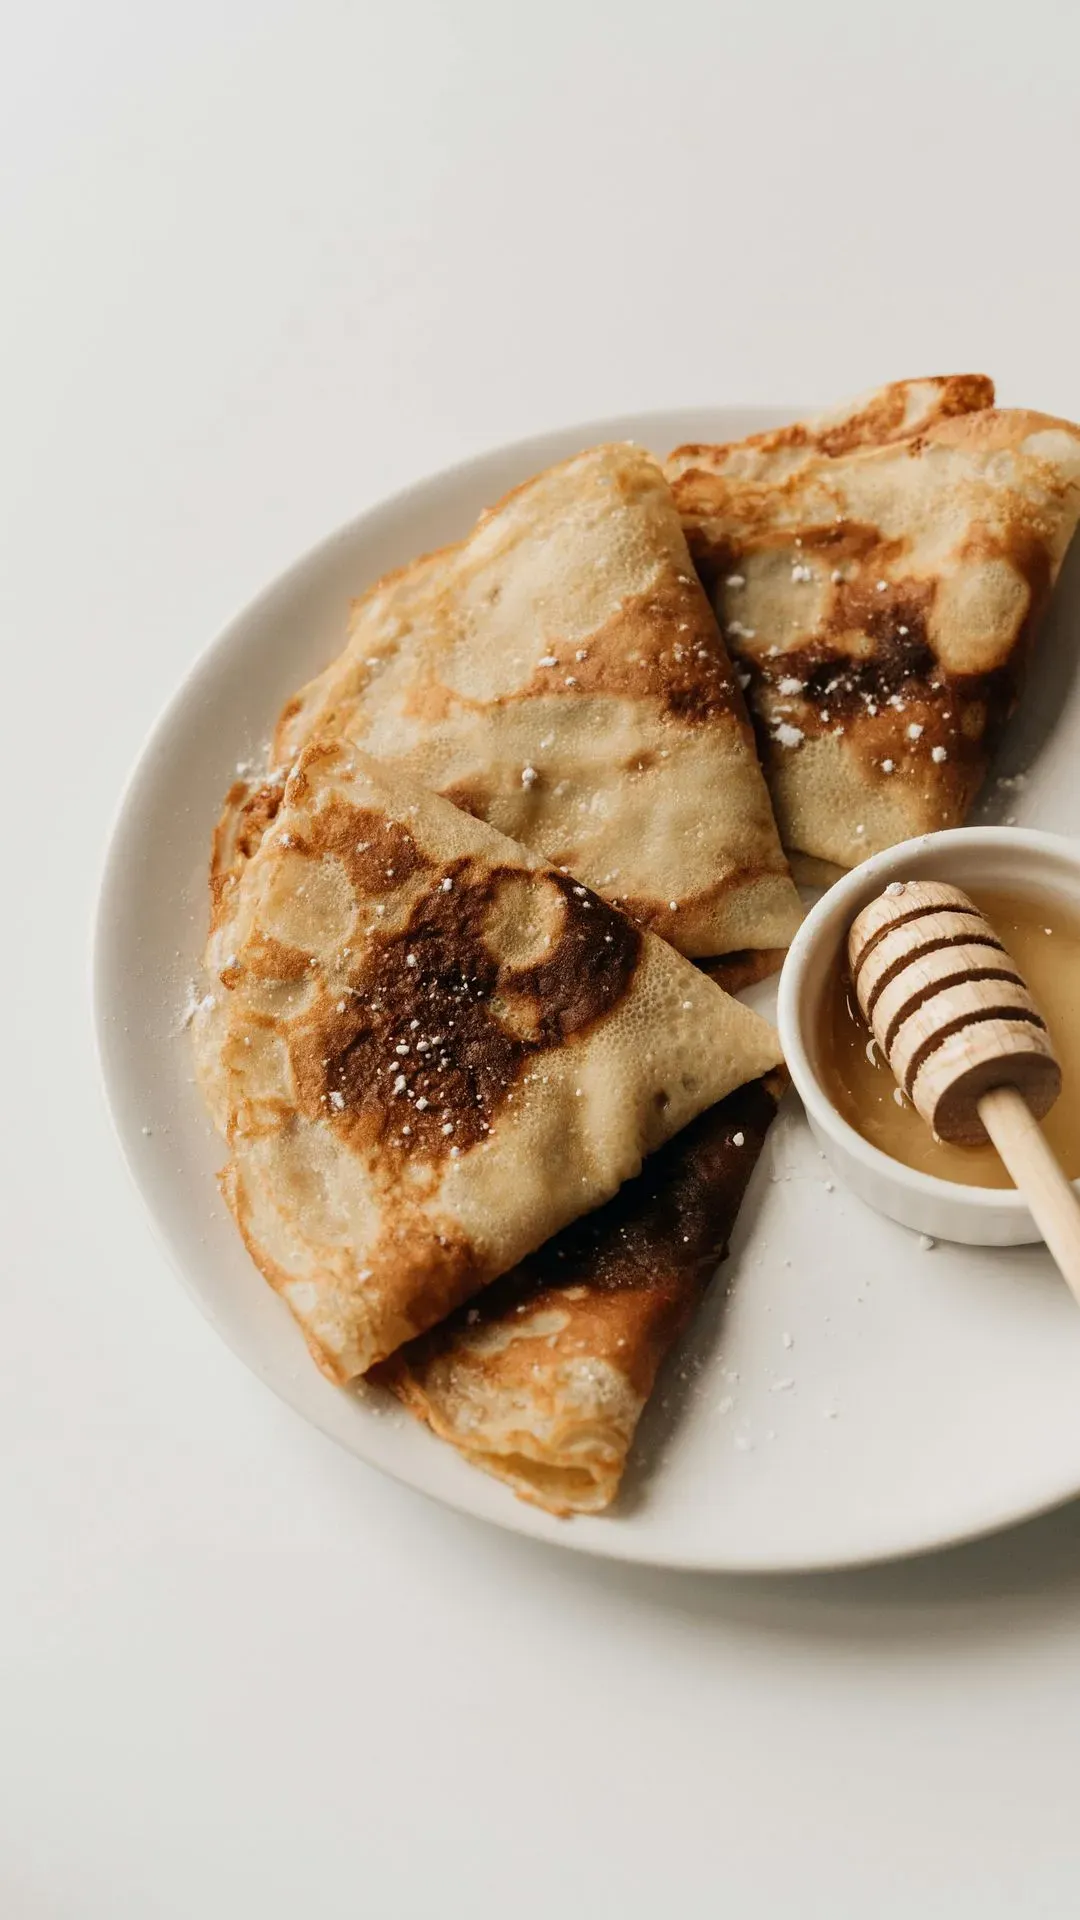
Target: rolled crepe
x=429, y=1051
x=560, y=675
x=541, y=1381
x=879, y=575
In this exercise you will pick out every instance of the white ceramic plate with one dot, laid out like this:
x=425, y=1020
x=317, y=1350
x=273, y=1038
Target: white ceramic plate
x=855, y=1398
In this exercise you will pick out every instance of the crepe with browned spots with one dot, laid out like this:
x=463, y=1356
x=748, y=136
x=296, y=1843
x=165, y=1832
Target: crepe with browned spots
x=428, y=1051
x=879, y=575
x=543, y=1379
x=560, y=675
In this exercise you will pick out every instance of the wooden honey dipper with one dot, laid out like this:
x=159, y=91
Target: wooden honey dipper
x=965, y=1041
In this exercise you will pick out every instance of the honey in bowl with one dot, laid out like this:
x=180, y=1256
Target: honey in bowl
x=1044, y=941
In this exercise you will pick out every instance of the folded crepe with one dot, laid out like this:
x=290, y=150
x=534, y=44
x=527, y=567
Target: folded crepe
x=560, y=675
x=542, y=1380
x=879, y=575
x=429, y=1051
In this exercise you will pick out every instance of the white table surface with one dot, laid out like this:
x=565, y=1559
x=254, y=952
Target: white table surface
x=264, y=260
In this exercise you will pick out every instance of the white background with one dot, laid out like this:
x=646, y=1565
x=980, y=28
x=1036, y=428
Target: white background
x=263, y=261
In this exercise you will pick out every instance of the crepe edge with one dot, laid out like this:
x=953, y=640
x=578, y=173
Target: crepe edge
x=578, y=1469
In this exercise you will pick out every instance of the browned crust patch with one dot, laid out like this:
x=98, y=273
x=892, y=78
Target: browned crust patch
x=463, y=1059
x=427, y=1030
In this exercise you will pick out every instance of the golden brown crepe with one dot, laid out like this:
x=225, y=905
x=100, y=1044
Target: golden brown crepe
x=879, y=576
x=560, y=675
x=429, y=1051
x=542, y=1380
x=883, y=417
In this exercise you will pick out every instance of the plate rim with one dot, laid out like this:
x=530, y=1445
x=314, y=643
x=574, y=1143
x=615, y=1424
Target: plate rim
x=518, y=1518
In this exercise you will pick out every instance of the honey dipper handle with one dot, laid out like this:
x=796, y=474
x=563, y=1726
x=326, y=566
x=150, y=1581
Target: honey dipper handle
x=1023, y=1146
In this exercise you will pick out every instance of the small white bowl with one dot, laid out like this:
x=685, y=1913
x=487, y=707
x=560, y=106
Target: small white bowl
x=1002, y=857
